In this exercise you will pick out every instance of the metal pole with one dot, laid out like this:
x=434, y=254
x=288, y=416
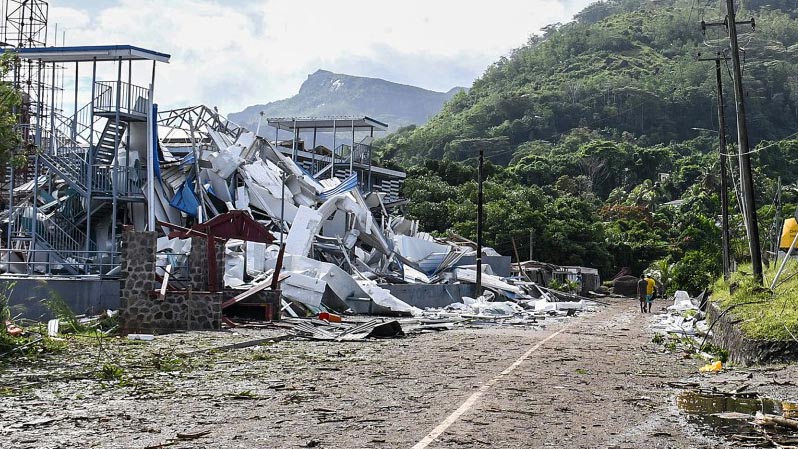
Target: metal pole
x=90, y=160
x=39, y=125
x=369, y=184
x=724, y=189
x=75, y=114
x=40, y=102
x=115, y=165
x=783, y=262
x=282, y=205
x=313, y=155
x=352, y=151
x=23, y=129
x=150, y=163
x=332, y=159
x=53, y=147
x=479, y=223
x=293, y=144
x=747, y=181
x=276, y=135
x=201, y=213
x=129, y=83
x=151, y=148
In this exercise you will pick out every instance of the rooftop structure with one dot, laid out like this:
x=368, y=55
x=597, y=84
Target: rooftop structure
x=88, y=168
x=351, y=153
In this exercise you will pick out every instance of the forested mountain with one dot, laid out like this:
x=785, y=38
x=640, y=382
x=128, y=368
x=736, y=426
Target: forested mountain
x=325, y=93
x=595, y=124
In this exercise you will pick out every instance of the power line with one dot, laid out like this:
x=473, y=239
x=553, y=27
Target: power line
x=757, y=150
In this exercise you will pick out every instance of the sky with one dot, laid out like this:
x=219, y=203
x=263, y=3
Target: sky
x=236, y=53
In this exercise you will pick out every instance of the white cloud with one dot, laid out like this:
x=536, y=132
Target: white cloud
x=236, y=53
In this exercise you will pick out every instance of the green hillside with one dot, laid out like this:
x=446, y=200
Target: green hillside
x=592, y=127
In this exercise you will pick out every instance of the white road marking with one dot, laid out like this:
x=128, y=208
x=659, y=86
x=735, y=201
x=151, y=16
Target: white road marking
x=451, y=419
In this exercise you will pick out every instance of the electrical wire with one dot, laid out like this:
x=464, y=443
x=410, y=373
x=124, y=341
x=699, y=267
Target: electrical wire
x=757, y=150
x=737, y=194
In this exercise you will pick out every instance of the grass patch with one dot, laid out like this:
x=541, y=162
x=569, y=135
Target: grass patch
x=246, y=394
x=765, y=315
x=111, y=372
x=168, y=362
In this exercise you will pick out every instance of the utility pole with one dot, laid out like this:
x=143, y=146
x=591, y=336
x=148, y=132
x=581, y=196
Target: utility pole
x=480, y=175
x=531, y=243
x=746, y=178
x=724, y=188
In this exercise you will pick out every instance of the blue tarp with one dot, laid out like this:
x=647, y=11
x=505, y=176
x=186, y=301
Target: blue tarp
x=157, y=163
x=185, y=199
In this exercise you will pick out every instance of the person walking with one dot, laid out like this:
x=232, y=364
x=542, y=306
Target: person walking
x=651, y=286
x=642, y=288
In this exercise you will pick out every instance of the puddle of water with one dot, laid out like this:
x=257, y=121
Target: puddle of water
x=728, y=415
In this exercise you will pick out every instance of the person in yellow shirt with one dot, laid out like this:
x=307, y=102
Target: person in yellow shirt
x=650, y=287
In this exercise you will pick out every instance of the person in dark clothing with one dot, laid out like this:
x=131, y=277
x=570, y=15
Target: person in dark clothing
x=642, y=288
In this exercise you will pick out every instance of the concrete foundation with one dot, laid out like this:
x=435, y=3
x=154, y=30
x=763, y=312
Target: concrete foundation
x=89, y=296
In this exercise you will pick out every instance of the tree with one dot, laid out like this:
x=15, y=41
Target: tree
x=9, y=101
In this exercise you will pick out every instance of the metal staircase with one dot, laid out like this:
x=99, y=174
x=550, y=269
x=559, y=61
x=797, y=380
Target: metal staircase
x=72, y=150
x=112, y=135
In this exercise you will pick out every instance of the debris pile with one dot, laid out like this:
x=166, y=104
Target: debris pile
x=342, y=248
x=684, y=316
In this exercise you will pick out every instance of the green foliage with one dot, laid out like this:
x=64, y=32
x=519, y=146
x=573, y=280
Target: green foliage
x=717, y=352
x=5, y=296
x=61, y=310
x=579, y=124
x=763, y=314
x=662, y=270
x=695, y=271
x=9, y=100
x=167, y=362
x=111, y=372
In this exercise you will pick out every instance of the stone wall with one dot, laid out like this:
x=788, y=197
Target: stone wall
x=141, y=310
x=199, y=267
x=176, y=312
x=726, y=333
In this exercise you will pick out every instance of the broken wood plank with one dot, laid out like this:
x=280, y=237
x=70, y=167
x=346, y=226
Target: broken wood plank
x=266, y=283
x=167, y=271
x=775, y=420
x=192, y=435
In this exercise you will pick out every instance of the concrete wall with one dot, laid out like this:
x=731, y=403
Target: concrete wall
x=83, y=296
x=435, y=295
x=726, y=333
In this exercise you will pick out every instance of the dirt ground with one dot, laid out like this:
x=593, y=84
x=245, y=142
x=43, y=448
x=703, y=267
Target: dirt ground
x=591, y=381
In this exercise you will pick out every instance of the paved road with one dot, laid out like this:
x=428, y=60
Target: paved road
x=593, y=381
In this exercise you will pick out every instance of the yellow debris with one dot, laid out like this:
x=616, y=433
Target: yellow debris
x=712, y=367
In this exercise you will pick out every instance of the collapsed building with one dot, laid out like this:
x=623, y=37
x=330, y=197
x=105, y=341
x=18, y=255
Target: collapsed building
x=176, y=216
